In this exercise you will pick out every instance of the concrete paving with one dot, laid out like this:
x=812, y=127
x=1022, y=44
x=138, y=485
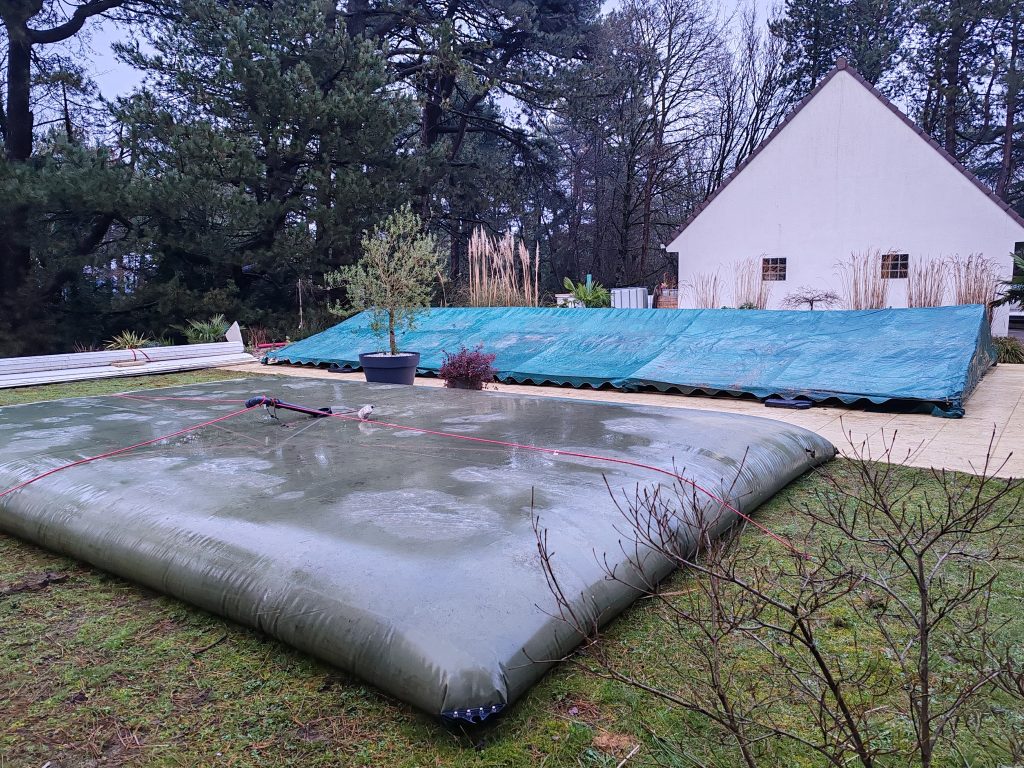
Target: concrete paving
x=995, y=419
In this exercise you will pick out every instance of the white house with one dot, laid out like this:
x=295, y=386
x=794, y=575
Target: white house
x=845, y=173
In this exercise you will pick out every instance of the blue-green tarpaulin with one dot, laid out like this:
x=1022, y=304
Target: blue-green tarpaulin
x=932, y=355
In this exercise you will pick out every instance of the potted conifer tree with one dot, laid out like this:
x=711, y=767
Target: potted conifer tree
x=392, y=280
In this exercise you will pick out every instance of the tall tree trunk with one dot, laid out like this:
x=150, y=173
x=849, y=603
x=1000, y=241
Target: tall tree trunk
x=648, y=214
x=18, y=141
x=455, y=251
x=15, y=254
x=625, y=221
x=951, y=84
x=1012, y=97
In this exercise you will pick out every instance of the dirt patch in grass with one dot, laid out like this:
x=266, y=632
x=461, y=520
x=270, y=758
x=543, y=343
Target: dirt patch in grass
x=617, y=744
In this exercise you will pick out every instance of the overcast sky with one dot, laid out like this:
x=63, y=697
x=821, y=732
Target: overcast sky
x=116, y=79
x=113, y=78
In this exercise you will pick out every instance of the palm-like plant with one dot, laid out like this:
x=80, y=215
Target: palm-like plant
x=590, y=293
x=205, y=331
x=128, y=340
x=1013, y=289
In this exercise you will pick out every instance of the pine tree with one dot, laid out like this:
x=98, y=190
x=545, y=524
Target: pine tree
x=268, y=139
x=868, y=33
x=814, y=32
x=32, y=75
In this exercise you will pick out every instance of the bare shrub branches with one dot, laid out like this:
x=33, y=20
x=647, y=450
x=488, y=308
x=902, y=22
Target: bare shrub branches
x=927, y=556
x=750, y=291
x=811, y=298
x=877, y=645
x=502, y=273
x=863, y=285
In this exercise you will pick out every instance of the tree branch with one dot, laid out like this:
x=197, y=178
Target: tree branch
x=74, y=24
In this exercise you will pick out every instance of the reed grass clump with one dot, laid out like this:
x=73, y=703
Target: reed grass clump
x=750, y=291
x=975, y=280
x=863, y=284
x=705, y=290
x=502, y=272
x=926, y=286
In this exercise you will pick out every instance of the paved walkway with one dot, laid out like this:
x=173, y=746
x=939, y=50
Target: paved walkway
x=995, y=415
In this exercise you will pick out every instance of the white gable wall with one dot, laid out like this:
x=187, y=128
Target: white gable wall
x=845, y=175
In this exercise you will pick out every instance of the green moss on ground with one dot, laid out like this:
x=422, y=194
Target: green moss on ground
x=99, y=672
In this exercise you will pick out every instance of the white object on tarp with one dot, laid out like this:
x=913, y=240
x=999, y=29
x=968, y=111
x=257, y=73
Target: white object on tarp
x=630, y=298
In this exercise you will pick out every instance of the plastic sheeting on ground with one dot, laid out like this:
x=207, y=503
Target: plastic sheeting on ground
x=406, y=558
x=935, y=355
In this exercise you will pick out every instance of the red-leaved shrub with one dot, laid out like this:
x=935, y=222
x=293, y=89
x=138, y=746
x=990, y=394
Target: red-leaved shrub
x=468, y=367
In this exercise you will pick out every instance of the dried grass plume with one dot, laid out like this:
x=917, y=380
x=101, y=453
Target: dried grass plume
x=706, y=290
x=863, y=285
x=750, y=291
x=502, y=272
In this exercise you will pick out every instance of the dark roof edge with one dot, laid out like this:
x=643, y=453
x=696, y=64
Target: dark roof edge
x=840, y=66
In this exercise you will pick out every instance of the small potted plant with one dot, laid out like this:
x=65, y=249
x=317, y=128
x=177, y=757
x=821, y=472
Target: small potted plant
x=467, y=368
x=393, y=281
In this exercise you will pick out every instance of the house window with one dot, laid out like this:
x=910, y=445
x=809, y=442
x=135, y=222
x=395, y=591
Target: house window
x=773, y=269
x=1018, y=268
x=895, y=266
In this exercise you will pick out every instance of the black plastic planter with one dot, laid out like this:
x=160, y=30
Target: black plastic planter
x=390, y=369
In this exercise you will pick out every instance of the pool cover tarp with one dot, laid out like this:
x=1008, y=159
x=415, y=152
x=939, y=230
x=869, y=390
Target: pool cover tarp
x=406, y=558
x=935, y=355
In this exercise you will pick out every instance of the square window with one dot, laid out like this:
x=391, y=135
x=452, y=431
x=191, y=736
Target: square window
x=895, y=266
x=773, y=268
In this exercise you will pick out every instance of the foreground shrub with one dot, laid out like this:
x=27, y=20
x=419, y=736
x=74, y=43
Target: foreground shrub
x=468, y=368
x=874, y=639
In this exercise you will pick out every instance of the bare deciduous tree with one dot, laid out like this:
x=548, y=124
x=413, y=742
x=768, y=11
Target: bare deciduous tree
x=750, y=96
x=877, y=622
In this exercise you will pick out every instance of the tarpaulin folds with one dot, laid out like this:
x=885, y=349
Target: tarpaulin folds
x=933, y=356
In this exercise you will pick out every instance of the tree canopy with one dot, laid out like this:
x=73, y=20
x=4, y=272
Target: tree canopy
x=268, y=136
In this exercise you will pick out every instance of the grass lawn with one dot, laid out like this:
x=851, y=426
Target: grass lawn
x=111, y=386
x=95, y=671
